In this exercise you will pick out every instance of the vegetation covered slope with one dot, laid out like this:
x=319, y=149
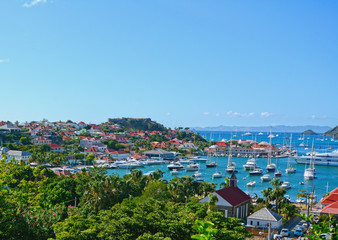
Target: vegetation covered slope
x=309, y=132
x=134, y=124
x=333, y=132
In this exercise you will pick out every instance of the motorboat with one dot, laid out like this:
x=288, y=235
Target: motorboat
x=211, y=165
x=256, y=171
x=231, y=169
x=324, y=159
x=250, y=164
x=286, y=185
x=175, y=165
x=217, y=175
x=199, y=159
x=290, y=169
x=300, y=200
x=175, y=172
x=266, y=178
x=251, y=184
x=197, y=174
x=192, y=167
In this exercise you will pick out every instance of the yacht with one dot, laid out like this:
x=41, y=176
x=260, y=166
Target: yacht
x=286, y=185
x=175, y=165
x=250, y=164
x=256, y=171
x=324, y=159
x=197, y=174
x=217, y=175
x=192, y=167
x=211, y=165
x=309, y=174
x=251, y=184
x=266, y=178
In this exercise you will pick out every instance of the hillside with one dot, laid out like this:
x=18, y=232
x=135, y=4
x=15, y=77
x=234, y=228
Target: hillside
x=332, y=133
x=309, y=132
x=134, y=124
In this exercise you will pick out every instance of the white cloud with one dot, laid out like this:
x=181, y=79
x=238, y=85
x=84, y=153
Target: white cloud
x=266, y=114
x=4, y=60
x=33, y=3
x=206, y=113
x=237, y=114
x=318, y=117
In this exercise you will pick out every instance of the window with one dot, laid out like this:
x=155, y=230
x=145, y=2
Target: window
x=251, y=222
x=257, y=223
x=226, y=213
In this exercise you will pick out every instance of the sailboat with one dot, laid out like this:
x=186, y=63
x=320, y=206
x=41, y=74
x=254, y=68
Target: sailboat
x=251, y=163
x=290, y=169
x=231, y=166
x=192, y=166
x=217, y=174
x=271, y=167
x=310, y=172
x=210, y=164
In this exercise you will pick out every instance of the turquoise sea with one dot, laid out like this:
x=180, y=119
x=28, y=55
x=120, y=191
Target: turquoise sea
x=325, y=175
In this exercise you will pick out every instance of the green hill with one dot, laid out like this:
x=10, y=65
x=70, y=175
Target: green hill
x=332, y=133
x=309, y=132
x=134, y=124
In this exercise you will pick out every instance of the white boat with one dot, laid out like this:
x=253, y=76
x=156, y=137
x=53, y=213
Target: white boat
x=256, y=171
x=286, y=185
x=200, y=159
x=247, y=134
x=270, y=167
x=192, y=167
x=250, y=164
x=231, y=166
x=290, y=169
x=300, y=200
x=251, y=184
x=260, y=133
x=310, y=172
x=217, y=175
x=175, y=165
x=197, y=174
x=323, y=159
x=266, y=178
x=175, y=172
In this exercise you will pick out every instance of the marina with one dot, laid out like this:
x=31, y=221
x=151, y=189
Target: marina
x=324, y=174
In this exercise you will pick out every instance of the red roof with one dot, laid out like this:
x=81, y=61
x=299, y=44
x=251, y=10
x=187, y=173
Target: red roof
x=54, y=145
x=332, y=208
x=41, y=139
x=233, y=195
x=92, y=149
x=331, y=198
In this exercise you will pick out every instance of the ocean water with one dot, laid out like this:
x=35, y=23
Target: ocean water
x=324, y=175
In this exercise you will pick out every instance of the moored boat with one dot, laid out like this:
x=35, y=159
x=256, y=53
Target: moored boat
x=256, y=171
x=251, y=184
x=266, y=178
x=286, y=185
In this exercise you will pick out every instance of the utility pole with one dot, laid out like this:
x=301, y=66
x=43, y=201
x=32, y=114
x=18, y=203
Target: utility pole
x=269, y=230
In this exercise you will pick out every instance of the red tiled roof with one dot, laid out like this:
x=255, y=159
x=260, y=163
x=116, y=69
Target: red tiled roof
x=40, y=138
x=54, y=145
x=233, y=195
x=332, y=208
x=331, y=198
x=92, y=149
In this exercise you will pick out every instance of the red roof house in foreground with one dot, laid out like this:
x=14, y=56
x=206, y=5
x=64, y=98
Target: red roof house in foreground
x=232, y=200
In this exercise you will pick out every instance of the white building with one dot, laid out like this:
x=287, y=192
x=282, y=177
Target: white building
x=263, y=217
x=18, y=155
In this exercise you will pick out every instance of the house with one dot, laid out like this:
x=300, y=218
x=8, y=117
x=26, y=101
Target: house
x=18, y=155
x=41, y=140
x=187, y=146
x=263, y=217
x=55, y=147
x=119, y=155
x=331, y=198
x=160, y=153
x=331, y=209
x=9, y=128
x=232, y=200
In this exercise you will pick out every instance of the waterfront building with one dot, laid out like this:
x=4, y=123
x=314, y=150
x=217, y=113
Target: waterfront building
x=160, y=153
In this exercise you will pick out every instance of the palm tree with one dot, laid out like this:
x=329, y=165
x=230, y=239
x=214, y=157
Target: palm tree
x=278, y=192
x=213, y=199
x=267, y=193
x=225, y=184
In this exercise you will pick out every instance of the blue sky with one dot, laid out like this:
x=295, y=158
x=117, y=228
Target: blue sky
x=182, y=63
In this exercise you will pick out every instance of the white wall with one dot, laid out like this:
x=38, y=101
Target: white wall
x=263, y=223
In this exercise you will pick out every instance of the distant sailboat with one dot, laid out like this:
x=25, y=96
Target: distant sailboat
x=290, y=169
x=310, y=172
x=271, y=167
x=231, y=166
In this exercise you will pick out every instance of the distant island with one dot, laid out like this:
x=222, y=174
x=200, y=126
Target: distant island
x=277, y=128
x=309, y=132
x=332, y=133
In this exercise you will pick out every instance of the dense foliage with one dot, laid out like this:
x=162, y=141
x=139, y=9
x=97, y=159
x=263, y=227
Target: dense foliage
x=36, y=204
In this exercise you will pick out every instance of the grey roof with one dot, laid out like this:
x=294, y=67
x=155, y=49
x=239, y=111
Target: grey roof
x=266, y=214
x=157, y=151
x=18, y=153
x=9, y=127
